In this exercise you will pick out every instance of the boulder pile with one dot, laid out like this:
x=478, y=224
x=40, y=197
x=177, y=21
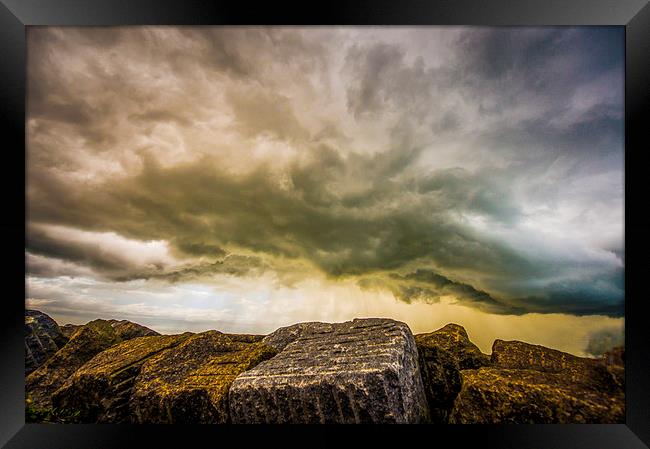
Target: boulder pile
x=371, y=370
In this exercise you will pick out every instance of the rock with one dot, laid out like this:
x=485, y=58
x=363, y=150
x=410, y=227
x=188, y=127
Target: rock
x=442, y=354
x=589, y=373
x=69, y=329
x=280, y=338
x=100, y=390
x=498, y=396
x=43, y=338
x=454, y=339
x=189, y=383
x=520, y=355
x=533, y=384
x=128, y=330
x=360, y=371
x=441, y=380
x=83, y=345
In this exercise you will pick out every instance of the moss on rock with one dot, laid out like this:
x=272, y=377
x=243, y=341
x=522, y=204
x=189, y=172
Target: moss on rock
x=99, y=391
x=520, y=396
x=189, y=383
x=84, y=344
x=534, y=384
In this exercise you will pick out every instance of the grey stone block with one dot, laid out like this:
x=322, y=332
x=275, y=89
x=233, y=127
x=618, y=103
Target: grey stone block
x=360, y=371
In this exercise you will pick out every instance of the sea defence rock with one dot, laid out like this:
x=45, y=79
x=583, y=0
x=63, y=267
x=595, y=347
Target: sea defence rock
x=454, y=339
x=360, y=371
x=127, y=330
x=533, y=384
x=83, y=345
x=442, y=355
x=100, y=390
x=520, y=355
x=189, y=383
x=69, y=329
x=280, y=338
x=605, y=374
x=43, y=338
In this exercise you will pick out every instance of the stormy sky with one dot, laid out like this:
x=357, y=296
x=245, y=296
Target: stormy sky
x=246, y=178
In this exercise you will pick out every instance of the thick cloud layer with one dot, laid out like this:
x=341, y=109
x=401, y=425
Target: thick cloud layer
x=482, y=165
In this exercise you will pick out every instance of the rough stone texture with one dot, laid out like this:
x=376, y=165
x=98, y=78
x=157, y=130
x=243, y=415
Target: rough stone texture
x=442, y=354
x=496, y=396
x=520, y=355
x=534, y=384
x=83, y=345
x=454, y=339
x=69, y=329
x=189, y=383
x=280, y=338
x=99, y=391
x=441, y=380
x=585, y=372
x=127, y=330
x=43, y=338
x=361, y=371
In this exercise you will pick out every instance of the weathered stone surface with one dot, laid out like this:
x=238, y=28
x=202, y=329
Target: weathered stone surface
x=100, y=390
x=361, y=371
x=534, y=384
x=127, y=330
x=590, y=373
x=520, y=355
x=441, y=380
x=280, y=338
x=189, y=383
x=43, y=338
x=84, y=344
x=442, y=354
x=497, y=395
x=454, y=339
x=69, y=329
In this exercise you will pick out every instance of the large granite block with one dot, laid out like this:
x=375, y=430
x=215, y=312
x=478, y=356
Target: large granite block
x=361, y=371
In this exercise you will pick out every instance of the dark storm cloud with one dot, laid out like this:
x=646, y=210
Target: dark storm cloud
x=341, y=235
x=155, y=134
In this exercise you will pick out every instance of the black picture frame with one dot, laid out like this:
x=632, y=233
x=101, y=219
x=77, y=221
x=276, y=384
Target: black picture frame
x=634, y=15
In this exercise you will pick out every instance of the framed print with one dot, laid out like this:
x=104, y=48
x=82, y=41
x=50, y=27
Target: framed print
x=309, y=223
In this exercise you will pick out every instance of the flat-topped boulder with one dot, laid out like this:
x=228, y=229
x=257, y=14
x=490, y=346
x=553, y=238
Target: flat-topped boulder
x=43, y=338
x=519, y=355
x=189, y=383
x=280, y=338
x=534, y=384
x=498, y=396
x=84, y=344
x=596, y=374
x=360, y=371
x=100, y=390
